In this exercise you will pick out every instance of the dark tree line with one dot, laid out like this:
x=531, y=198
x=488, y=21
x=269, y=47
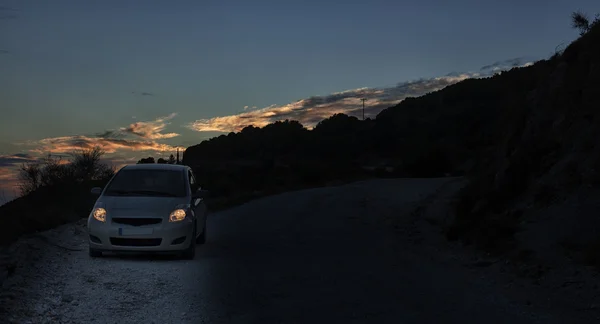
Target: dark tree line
x=447, y=132
x=170, y=160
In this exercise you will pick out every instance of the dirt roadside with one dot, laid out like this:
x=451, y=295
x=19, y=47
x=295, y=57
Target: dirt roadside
x=566, y=287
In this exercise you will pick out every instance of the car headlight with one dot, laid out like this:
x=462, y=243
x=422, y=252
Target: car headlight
x=179, y=213
x=99, y=214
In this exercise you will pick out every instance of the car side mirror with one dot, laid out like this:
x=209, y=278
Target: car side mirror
x=96, y=191
x=201, y=193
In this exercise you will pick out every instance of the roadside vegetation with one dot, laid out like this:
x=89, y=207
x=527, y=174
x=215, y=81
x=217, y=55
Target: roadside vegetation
x=54, y=191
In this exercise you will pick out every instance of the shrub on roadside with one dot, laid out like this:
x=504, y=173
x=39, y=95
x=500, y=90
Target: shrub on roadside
x=55, y=191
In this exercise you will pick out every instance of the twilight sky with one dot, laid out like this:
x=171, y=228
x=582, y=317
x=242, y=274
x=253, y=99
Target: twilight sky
x=137, y=77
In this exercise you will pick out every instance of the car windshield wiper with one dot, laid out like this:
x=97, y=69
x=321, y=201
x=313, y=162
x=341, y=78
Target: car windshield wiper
x=141, y=192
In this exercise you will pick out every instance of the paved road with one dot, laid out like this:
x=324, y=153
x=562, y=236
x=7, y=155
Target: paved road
x=315, y=256
x=319, y=256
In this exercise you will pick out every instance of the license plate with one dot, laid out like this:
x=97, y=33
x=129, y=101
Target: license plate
x=135, y=231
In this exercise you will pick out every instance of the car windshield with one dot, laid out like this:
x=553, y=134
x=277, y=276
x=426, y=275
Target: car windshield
x=165, y=183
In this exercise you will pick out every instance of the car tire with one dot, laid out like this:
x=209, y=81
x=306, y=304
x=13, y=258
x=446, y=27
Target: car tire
x=93, y=253
x=190, y=252
x=201, y=239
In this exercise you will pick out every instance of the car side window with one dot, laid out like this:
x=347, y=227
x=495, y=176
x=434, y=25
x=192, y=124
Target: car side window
x=193, y=183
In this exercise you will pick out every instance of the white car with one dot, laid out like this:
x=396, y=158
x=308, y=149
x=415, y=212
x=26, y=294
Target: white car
x=149, y=208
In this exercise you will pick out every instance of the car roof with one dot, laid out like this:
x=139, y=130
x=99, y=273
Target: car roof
x=156, y=166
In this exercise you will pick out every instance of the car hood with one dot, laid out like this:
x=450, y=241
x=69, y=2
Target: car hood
x=128, y=206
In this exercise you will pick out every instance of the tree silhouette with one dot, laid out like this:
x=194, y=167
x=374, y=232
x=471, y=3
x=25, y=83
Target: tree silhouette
x=146, y=160
x=85, y=166
x=161, y=161
x=579, y=20
x=171, y=159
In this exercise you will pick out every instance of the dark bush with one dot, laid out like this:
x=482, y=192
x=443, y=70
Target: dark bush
x=55, y=191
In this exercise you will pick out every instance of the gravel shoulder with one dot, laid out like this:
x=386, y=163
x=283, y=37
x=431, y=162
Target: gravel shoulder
x=370, y=251
x=55, y=281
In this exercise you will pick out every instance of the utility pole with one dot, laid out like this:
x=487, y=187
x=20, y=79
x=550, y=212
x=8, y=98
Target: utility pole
x=363, y=100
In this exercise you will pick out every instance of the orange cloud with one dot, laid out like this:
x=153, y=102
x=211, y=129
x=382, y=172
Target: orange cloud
x=16, y=159
x=9, y=166
x=9, y=186
x=151, y=129
x=139, y=136
x=69, y=144
x=312, y=110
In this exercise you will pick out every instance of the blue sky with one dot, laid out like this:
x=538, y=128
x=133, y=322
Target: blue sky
x=74, y=68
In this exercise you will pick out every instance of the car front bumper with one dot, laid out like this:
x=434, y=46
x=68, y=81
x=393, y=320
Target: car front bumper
x=164, y=237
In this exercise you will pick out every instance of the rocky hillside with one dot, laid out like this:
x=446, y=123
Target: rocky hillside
x=545, y=169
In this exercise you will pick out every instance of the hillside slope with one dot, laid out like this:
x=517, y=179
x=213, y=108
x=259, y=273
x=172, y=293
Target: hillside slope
x=548, y=159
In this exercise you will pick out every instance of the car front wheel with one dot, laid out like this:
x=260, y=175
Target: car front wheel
x=190, y=252
x=94, y=253
x=201, y=239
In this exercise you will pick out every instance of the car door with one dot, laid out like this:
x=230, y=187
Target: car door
x=197, y=204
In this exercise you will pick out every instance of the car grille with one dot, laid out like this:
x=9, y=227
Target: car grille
x=137, y=221
x=135, y=241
